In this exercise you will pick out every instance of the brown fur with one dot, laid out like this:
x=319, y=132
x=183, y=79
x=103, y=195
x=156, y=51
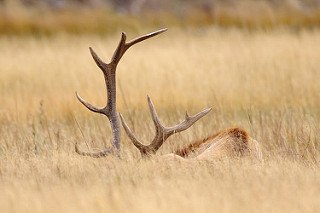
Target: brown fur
x=240, y=135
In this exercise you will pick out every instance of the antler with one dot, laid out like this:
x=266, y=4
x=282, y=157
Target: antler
x=109, y=72
x=162, y=132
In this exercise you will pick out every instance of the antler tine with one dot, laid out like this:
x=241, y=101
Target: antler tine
x=123, y=46
x=89, y=106
x=188, y=122
x=99, y=154
x=132, y=137
x=154, y=115
x=118, y=53
x=102, y=65
x=144, y=37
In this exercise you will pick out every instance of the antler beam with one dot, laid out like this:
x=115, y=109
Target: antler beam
x=162, y=132
x=109, y=72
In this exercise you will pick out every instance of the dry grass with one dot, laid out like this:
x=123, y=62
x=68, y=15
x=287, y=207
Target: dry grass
x=264, y=82
x=16, y=19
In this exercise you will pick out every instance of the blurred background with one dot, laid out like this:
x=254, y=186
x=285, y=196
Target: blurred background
x=105, y=16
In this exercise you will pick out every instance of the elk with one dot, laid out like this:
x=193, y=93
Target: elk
x=229, y=143
x=233, y=142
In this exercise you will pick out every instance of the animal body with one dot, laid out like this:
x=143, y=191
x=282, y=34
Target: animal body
x=229, y=143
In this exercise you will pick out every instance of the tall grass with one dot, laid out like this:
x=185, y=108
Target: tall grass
x=265, y=82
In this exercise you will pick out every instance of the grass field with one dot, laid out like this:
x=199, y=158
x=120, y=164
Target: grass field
x=265, y=82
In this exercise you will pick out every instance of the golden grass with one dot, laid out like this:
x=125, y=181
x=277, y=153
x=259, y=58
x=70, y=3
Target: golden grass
x=266, y=82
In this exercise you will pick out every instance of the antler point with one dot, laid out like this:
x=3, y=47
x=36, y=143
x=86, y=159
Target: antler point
x=123, y=36
x=209, y=109
x=91, y=50
x=78, y=96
